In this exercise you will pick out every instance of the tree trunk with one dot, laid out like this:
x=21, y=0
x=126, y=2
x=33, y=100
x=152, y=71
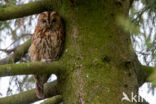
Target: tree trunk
x=98, y=54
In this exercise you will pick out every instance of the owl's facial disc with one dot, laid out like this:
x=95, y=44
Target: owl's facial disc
x=52, y=22
x=44, y=21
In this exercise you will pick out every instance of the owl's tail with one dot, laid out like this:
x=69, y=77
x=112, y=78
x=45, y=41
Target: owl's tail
x=39, y=90
x=40, y=81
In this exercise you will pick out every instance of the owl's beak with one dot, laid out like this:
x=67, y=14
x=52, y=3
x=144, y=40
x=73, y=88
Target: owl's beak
x=48, y=25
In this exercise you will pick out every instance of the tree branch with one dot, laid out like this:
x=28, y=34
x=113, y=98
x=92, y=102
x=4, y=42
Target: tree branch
x=30, y=68
x=53, y=100
x=152, y=77
x=28, y=97
x=28, y=9
x=144, y=73
x=8, y=51
x=18, y=53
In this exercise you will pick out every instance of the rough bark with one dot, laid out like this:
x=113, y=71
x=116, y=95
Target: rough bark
x=101, y=64
x=30, y=96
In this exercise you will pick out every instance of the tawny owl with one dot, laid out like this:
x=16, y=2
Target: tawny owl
x=47, y=44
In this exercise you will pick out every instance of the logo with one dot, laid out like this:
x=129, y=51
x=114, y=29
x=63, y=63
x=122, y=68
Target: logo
x=132, y=98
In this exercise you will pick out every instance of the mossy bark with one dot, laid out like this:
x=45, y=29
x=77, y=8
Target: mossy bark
x=31, y=68
x=28, y=97
x=98, y=54
x=54, y=100
x=28, y=9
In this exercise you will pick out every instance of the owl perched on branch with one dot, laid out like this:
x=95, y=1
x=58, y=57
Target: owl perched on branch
x=47, y=44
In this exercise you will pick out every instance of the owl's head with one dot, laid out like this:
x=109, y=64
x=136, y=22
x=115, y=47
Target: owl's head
x=49, y=20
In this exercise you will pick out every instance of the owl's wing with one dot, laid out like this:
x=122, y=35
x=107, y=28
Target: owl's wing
x=33, y=49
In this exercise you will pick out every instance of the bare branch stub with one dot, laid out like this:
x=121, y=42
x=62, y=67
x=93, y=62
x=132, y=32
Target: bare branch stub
x=19, y=52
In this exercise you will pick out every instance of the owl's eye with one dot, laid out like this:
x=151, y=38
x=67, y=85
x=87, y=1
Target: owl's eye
x=54, y=20
x=44, y=21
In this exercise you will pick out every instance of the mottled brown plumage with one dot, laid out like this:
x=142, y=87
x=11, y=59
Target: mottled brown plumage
x=47, y=44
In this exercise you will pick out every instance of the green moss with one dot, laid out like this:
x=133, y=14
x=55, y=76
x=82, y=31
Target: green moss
x=12, y=12
x=54, y=100
x=31, y=68
x=28, y=97
x=93, y=34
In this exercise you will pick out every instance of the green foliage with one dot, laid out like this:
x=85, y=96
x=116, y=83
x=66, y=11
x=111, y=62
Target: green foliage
x=143, y=13
x=150, y=4
x=7, y=3
x=1, y=23
x=3, y=6
x=152, y=78
x=128, y=25
x=20, y=83
x=11, y=2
